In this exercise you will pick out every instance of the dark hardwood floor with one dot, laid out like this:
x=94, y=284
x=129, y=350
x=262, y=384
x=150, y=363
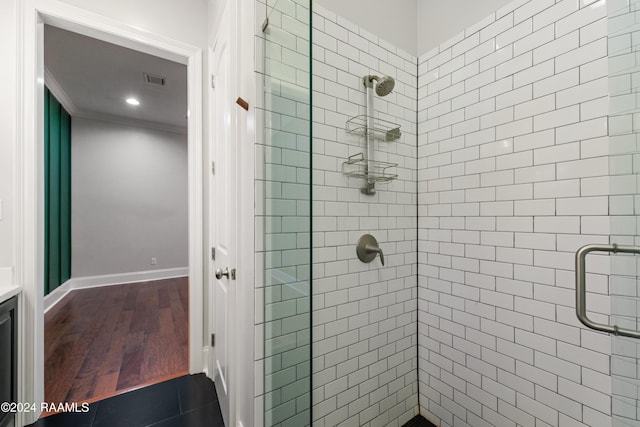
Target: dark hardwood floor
x=103, y=341
x=187, y=401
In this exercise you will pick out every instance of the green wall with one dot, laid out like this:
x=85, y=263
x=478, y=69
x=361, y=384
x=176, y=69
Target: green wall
x=57, y=176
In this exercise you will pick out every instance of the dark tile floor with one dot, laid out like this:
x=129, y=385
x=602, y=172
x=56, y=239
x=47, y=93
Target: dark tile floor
x=188, y=401
x=418, y=421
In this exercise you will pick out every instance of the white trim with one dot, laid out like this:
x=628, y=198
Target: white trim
x=28, y=238
x=59, y=92
x=205, y=356
x=196, y=225
x=72, y=18
x=29, y=235
x=56, y=296
x=245, y=413
x=109, y=280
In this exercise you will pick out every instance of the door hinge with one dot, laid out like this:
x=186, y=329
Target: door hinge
x=213, y=81
x=213, y=167
x=233, y=274
x=213, y=340
x=213, y=254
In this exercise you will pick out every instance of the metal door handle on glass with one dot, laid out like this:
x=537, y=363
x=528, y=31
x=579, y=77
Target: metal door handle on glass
x=581, y=288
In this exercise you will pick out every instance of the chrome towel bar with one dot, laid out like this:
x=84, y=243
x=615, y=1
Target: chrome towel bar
x=581, y=288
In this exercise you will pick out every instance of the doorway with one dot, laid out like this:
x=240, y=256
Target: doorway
x=29, y=155
x=116, y=218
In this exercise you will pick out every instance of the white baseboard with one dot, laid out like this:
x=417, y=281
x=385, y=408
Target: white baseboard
x=6, y=276
x=108, y=280
x=54, y=297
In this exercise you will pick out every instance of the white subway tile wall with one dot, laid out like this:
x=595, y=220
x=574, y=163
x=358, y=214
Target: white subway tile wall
x=624, y=206
x=364, y=315
x=513, y=176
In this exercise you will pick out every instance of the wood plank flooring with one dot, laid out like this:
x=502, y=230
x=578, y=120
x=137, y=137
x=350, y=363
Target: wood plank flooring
x=103, y=341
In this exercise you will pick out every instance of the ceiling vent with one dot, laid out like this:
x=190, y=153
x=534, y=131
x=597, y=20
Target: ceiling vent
x=154, y=80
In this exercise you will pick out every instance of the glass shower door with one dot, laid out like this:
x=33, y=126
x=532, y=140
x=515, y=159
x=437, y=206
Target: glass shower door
x=624, y=205
x=283, y=225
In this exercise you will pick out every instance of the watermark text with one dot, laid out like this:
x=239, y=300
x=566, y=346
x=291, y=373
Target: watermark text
x=44, y=407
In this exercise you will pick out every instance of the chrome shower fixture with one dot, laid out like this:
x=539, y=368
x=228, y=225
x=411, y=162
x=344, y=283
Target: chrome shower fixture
x=384, y=85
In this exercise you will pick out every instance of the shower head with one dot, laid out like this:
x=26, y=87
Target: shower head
x=384, y=84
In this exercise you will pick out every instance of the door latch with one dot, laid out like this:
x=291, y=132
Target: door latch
x=229, y=274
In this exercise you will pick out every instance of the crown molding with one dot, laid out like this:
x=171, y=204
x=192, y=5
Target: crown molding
x=59, y=92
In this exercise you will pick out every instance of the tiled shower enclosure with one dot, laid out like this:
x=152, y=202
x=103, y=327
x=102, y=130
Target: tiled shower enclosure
x=507, y=148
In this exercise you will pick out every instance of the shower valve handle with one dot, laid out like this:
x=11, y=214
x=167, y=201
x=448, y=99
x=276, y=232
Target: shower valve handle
x=376, y=249
x=367, y=249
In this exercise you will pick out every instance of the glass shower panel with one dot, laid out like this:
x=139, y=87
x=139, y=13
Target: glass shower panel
x=284, y=166
x=624, y=204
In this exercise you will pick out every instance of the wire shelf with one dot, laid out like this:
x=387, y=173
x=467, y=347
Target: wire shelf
x=382, y=130
x=373, y=171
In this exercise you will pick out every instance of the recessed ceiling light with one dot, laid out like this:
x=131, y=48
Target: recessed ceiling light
x=133, y=101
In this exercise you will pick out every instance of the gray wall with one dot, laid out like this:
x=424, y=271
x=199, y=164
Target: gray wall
x=129, y=199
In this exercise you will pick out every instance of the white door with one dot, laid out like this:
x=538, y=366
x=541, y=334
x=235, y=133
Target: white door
x=222, y=204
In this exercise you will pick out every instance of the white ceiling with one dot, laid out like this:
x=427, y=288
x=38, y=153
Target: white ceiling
x=440, y=20
x=393, y=21
x=415, y=26
x=97, y=77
